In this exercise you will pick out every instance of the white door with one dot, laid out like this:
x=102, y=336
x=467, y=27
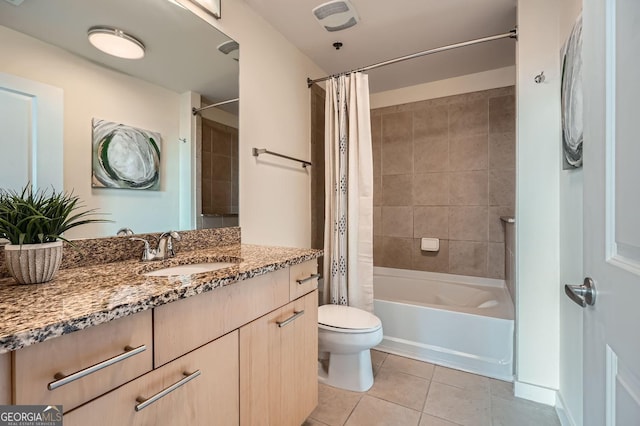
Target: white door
x=612, y=211
x=31, y=134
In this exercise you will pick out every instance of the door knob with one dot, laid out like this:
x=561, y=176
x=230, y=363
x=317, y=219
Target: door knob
x=584, y=294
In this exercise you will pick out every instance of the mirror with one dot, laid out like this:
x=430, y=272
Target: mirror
x=187, y=63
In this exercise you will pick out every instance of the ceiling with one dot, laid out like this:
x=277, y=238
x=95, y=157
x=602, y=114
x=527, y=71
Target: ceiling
x=389, y=29
x=181, y=49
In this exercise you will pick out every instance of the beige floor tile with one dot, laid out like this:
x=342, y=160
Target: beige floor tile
x=334, y=405
x=501, y=389
x=427, y=420
x=521, y=413
x=461, y=379
x=462, y=406
x=400, y=388
x=409, y=366
x=314, y=422
x=377, y=357
x=376, y=412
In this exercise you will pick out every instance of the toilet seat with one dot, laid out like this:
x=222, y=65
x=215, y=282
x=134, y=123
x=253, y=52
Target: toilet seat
x=347, y=319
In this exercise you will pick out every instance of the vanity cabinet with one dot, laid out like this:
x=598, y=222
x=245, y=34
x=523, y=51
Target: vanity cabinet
x=278, y=365
x=38, y=369
x=206, y=392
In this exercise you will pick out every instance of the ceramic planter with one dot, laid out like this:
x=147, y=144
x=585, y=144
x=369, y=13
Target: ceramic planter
x=33, y=263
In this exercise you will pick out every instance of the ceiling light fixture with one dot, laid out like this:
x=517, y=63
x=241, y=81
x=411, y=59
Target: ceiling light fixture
x=116, y=42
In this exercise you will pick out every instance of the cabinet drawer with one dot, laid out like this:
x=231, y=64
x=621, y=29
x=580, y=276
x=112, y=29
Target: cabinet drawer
x=5, y=379
x=212, y=397
x=187, y=324
x=302, y=279
x=39, y=366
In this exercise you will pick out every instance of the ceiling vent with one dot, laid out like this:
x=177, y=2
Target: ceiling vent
x=336, y=15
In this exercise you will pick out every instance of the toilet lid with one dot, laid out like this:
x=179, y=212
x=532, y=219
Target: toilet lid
x=347, y=317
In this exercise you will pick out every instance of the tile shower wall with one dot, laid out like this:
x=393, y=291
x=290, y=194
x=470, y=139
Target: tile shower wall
x=445, y=168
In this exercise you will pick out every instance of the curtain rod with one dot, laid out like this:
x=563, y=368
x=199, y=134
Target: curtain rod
x=511, y=34
x=195, y=110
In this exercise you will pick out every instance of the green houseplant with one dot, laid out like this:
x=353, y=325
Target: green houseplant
x=34, y=223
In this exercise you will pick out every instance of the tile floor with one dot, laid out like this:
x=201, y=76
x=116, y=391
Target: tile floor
x=407, y=392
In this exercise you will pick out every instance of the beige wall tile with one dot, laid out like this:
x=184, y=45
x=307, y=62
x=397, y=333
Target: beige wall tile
x=502, y=151
x=430, y=155
x=377, y=250
x=431, y=189
x=468, y=188
x=469, y=153
x=431, y=222
x=468, y=118
x=377, y=220
x=374, y=411
x=432, y=261
x=502, y=187
x=496, y=226
x=377, y=190
x=468, y=258
x=221, y=167
x=207, y=165
x=468, y=223
x=431, y=122
x=495, y=268
x=376, y=128
x=502, y=114
x=397, y=221
x=396, y=252
x=397, y=127
x=397, y=157
x=397, y=190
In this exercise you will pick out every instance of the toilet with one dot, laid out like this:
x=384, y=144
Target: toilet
x=345, y=337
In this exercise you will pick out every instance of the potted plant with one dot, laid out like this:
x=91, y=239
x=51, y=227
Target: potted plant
x=34, y=223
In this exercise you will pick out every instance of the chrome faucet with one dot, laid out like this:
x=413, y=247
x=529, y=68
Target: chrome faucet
x=164, y=249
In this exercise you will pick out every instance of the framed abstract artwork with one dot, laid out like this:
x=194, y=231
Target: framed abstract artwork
x=571, y=98
x=124, y=156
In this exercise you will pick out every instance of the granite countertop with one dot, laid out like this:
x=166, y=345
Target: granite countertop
x=86, y=296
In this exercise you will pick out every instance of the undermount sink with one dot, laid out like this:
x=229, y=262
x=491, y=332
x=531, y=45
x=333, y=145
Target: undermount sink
x=194, y=268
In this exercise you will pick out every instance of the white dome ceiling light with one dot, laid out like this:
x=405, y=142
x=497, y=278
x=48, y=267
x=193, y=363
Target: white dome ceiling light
x=336, y=15
x=116, y=42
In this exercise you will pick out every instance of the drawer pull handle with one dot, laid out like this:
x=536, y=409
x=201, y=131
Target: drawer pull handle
x=63, y=379
x=290, y=319
x=309, y=278
x=145, y=402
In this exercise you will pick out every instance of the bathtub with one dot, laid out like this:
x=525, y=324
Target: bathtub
x=456, y=321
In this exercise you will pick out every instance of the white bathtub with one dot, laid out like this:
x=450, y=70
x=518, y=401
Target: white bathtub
x=451, y=320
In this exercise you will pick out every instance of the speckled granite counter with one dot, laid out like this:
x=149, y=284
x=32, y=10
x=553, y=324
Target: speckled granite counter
x=90, y=295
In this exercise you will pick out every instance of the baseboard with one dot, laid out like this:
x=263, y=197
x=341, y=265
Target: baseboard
x=564, y=415
x=535, y=393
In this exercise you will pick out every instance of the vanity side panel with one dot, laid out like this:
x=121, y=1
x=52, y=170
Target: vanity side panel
x=187, y=324
x=5, y=379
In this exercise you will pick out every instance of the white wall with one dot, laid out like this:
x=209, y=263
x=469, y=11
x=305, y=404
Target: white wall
x=275, y=197
x=571, y=270
x=93, y=91
x=537, y=201
x=492, y=79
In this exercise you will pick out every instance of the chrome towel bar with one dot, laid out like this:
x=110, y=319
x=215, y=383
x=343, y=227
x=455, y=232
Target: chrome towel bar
x=258, y=151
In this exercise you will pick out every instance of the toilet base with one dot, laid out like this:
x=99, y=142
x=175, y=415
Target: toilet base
x=348, y=371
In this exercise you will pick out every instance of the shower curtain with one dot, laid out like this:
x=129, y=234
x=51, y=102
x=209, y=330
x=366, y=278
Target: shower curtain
x=348, y=236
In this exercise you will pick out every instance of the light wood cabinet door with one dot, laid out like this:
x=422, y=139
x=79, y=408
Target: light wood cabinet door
x=5, y=378
x=211, y=398
x=278, y=365
x=303, y=279
x=36, y=366
x=186, y=324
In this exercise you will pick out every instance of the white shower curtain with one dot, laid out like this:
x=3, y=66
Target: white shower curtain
x=348, y=236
